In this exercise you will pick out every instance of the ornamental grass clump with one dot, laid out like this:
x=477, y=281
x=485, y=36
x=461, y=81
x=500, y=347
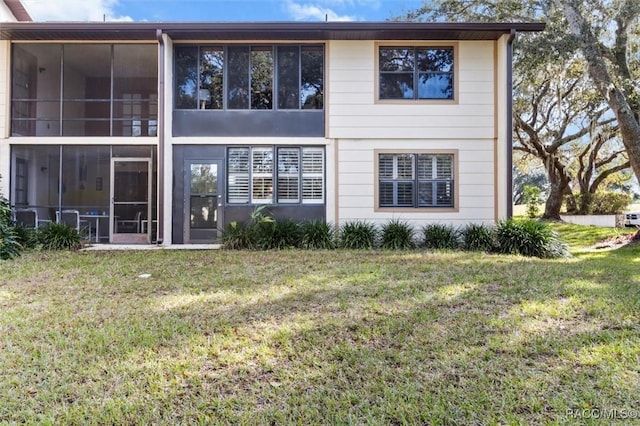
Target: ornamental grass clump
x=318, y=234
x=358, y=234
x=440, y=237
x=477, y=237
x=59, y=236
x=529, y=238
x=397, y=235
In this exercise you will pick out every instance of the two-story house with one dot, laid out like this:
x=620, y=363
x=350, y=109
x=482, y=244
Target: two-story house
x=166, y=132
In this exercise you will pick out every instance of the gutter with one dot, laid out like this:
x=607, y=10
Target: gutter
x=512, y=36
x=161, y=141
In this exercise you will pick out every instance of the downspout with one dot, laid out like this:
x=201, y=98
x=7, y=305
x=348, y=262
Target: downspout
x=512, y=36
x=160, y=127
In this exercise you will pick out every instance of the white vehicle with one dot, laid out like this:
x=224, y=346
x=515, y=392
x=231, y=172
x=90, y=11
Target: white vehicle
x=632, y=219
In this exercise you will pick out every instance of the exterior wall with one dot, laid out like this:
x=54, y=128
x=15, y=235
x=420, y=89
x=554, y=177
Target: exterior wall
x=355, y=126
x=469, y=125
x=357, y=185
x=354, y=113
x=180, y=147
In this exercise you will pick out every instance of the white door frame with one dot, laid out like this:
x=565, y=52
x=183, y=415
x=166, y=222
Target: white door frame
x=114, y=237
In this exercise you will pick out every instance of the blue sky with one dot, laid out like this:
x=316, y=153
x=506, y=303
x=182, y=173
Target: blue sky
x=218, y=10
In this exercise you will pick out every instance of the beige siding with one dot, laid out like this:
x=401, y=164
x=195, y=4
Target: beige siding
x=357, y=184
x=503, y=169
x=354, y=113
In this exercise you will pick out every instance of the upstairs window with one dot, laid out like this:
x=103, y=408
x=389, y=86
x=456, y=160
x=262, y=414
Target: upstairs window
x=416, y=180
x=416, y=72
x=256, y=77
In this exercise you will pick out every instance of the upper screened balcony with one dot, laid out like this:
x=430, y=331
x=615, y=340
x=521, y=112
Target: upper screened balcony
x=84, y=89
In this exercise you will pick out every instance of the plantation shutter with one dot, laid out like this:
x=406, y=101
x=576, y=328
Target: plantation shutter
x=404, y=174
x=238, y=175
x=262, y=175
x=435, y=180
x=312, y=175
x=288, y=175
x=385, y=184
x=444, y=176
x=396, y=176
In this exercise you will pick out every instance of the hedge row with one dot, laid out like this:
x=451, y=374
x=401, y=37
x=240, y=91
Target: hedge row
x=524, y=237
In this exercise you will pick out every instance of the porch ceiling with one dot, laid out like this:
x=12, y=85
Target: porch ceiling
x=261, y=30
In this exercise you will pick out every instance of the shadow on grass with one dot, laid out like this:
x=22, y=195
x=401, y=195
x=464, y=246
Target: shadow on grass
x=326, y=337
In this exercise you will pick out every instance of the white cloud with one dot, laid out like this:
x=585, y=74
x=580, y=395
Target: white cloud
x=73, y=10
x=373, y=4
x=314, y=12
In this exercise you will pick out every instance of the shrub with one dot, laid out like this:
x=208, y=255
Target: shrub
x=439, y=236
x=317, y=234
x=5, y=211
x=10, y=246
x=532, y=198
x=278, y=234
x=28, y=237
x=597, y=203
x=237, y=236
x=477, y=237
x=529, y=238
x=358, y=235
x=396, y=234
x=609, y=202
x=58, y=236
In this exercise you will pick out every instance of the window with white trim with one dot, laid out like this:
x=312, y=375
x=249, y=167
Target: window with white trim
x=296, y=173
x=416, y=180
x=261, y=175
x=313, y=175
x=238, y=176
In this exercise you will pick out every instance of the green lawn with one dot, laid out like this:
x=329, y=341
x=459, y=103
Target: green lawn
x=335, y=337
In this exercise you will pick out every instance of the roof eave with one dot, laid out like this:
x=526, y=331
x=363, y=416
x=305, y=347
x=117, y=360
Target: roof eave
x=262, y=30
x=18, y=10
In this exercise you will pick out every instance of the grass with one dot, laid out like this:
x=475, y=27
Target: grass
x=328, y=337
x=580, y=237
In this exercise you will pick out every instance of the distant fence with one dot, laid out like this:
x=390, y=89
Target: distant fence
x=600, y=220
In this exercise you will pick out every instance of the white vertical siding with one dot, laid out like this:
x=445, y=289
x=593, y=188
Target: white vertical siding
x=354, y=112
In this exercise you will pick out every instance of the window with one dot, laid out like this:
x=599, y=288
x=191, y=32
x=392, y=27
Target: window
x=416, y=180
x=296, y=173
x=238, y=175
x=261, y=175
x=288, y=175
x=416, y=72
x=241, y=77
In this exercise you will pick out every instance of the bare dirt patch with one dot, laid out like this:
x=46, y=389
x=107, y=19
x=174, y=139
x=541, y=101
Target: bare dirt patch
x=617, y=241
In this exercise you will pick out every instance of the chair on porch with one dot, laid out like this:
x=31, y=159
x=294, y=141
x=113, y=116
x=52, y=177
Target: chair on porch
x=72, y=219
x=131, y=225
x=27, y=218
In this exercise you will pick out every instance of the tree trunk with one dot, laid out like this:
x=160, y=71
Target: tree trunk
x=558, y=187
x=599, y=73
